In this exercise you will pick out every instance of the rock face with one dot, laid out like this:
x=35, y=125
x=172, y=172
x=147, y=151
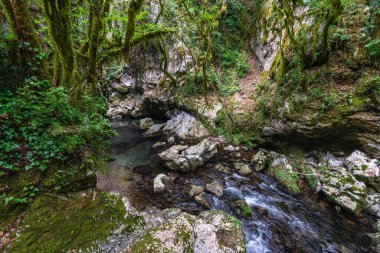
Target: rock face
x=343, y=189
x=212, y=231
x=185, y=126
x=364, y=168
x=243, y=169
x=185, y=158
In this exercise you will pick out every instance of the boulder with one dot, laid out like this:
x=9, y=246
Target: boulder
x=243, y=169
x=343, y=189
x=146, y=123
x=158, y=145
x=195, y=190
x=231, y=148
x=373, y=203
x=211, y=231
x=364, y=168
x=186, y=126
x=154, y=131
x=222, y=168
x=171, y=140
x=215, y=188
x=259, y=161
x=158, y=183
x=201, y=199
x=185, y=158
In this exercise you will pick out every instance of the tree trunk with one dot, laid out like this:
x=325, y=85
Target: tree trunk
x=20, y=22
x=60, y=31
x=133, y=10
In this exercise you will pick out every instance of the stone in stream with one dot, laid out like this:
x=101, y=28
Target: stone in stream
x=259, y=161
x=243, y=169
x=143, y=169
x=211, y=231
x=154, y=131
x=342, y=188
x=146, y=123
x=222, y=168
x=185, y=158
x=158, y=183
x=215, y=188
x=195, y=190
x=158, y=145
x=201, y=199
x=364, y=168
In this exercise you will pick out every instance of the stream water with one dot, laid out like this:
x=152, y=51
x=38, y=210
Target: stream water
x=279, y=221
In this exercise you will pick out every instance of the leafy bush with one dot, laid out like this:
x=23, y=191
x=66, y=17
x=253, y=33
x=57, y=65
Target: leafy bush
x=236, y=60
x=40, y=128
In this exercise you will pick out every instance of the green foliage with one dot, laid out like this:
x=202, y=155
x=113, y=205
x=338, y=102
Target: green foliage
x=372, y=48
x=246, y=210
x=287, y=178
x=40, y=129
x=237, y=60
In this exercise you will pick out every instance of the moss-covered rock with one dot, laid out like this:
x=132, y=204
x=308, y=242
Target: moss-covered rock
x=78, y=222
x=343, y=189
x=285, y=174
x=212, y=231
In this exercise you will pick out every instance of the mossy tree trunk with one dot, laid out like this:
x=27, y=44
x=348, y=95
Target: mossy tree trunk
x=20, y=22
x=98, y=10
x=60, y=31
x=334, y=12
x=133, y=11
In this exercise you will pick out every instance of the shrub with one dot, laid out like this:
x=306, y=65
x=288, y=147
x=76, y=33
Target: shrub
x=40, y=128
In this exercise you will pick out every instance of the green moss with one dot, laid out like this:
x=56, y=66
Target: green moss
x=59, y=224
x=148, y=244
x=287, y=179
x=246, y=210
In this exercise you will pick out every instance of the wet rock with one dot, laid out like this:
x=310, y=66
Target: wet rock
x=155, y=130
x=231, y=148
x=158, y=183
x=185, y=158
x=211, y=231
x=364, y=168
x=222, y=168
x=201, y=199
x=241, y=208
x=195, y=190
x=332, y=161
x=243, y=169
x=143, y=169
x=259, y=161
x=171, y=140
x=342, y=188
x=215, y=188
x=186, y=126
x=158, y=145
x=146, y=123
x=285, y=174
x=373, y=203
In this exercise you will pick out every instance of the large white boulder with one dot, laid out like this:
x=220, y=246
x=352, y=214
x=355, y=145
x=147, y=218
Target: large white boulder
x=185, y=158
x=185, y=126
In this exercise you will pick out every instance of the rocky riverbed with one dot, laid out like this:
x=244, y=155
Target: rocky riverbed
x=227, y=178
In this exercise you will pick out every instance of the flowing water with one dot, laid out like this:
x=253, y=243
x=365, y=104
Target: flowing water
x=279, y=221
